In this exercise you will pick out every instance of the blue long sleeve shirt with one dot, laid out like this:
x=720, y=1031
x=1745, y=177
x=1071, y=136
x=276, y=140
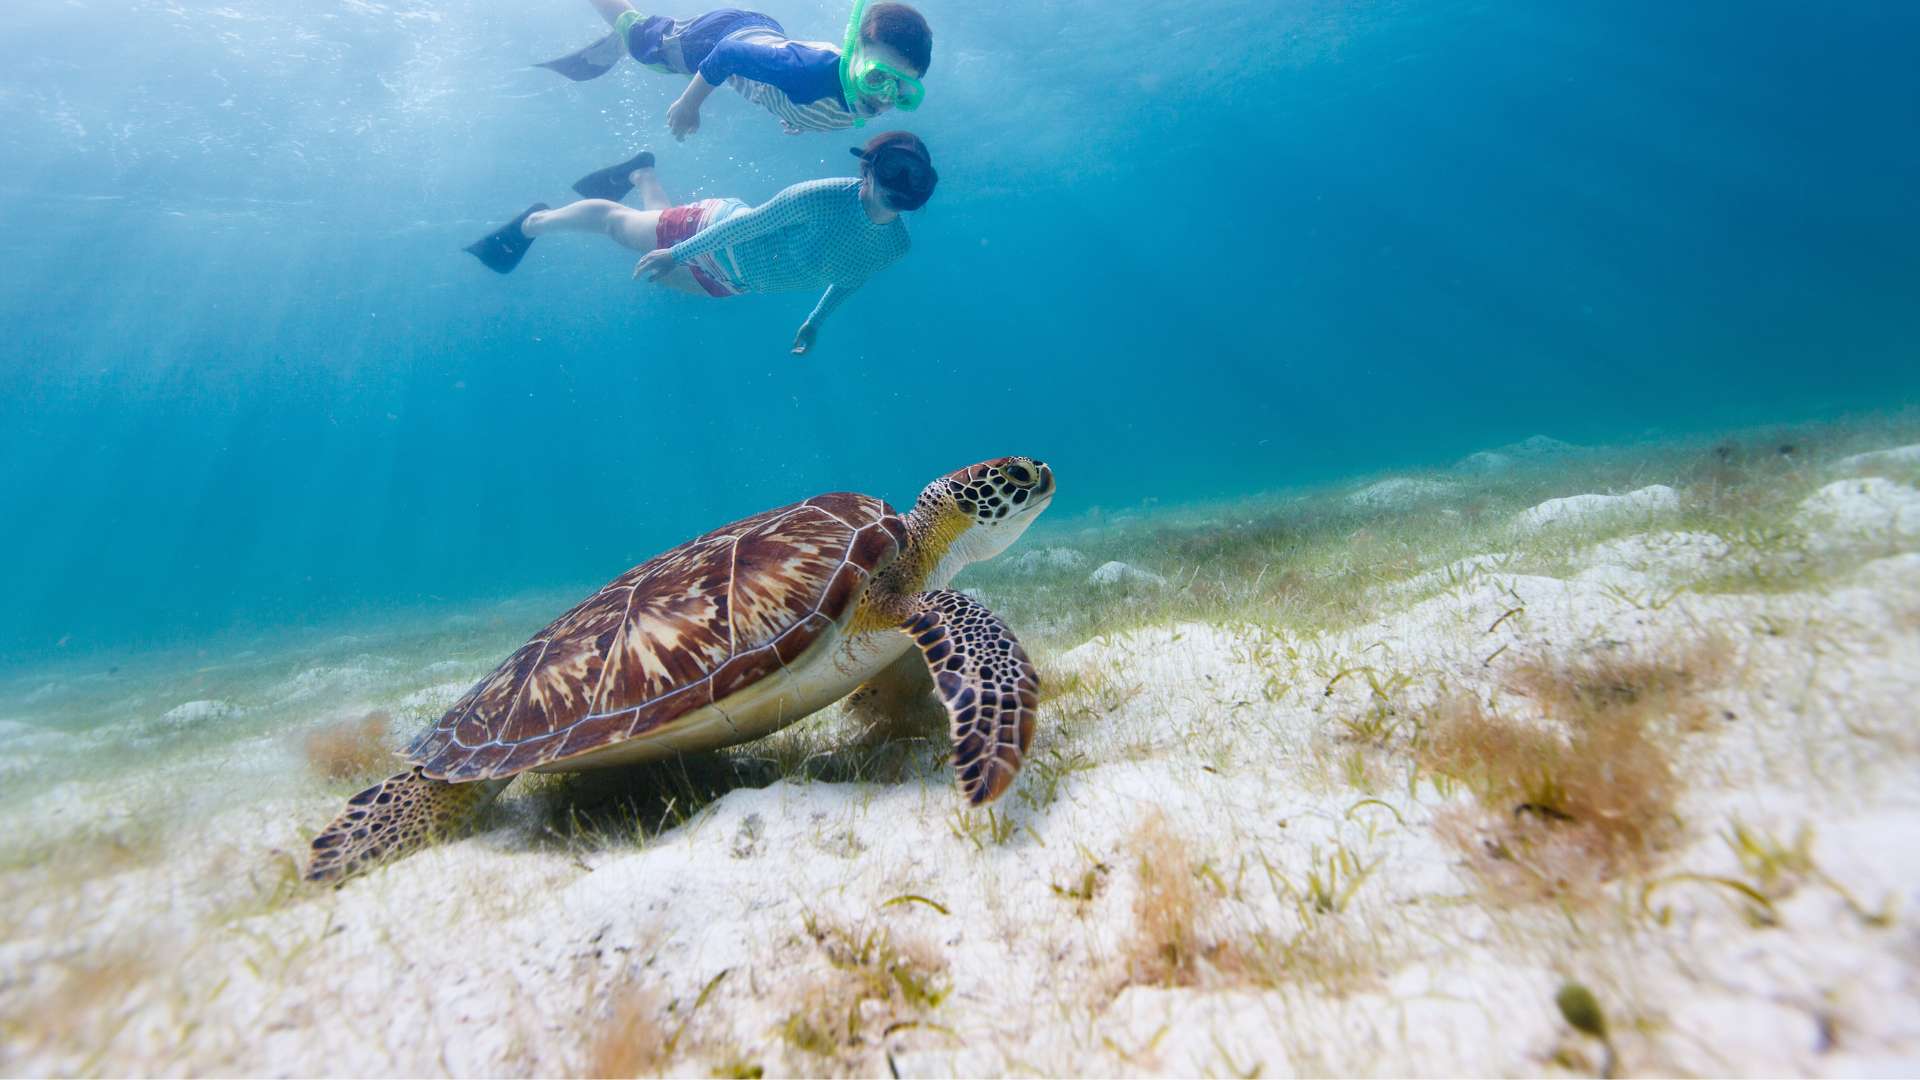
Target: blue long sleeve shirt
x=805, y=72
x=797, y=81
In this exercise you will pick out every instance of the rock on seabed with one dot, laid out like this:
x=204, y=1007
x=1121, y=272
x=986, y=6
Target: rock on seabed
x=190, y=713
x=1575, y=509
x=1119, y=573
x=1896, y=457
x=1531, y=450
x=1847, y=513
x=1052, y=558
x=1400, y=491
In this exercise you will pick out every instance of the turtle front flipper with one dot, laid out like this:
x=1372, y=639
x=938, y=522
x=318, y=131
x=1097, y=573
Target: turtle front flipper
x=988, y=685
x=393, y=817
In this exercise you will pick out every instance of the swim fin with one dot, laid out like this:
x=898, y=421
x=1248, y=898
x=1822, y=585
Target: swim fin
x=503, y=248
x=613, y=182
x=591, y=62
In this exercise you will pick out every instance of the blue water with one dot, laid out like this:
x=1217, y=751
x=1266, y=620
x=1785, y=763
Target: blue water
x=1179, y=250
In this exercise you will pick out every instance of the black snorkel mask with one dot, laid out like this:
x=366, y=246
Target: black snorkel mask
x=905, y=177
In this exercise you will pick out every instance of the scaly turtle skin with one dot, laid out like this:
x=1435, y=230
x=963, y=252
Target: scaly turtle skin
x=726, y=638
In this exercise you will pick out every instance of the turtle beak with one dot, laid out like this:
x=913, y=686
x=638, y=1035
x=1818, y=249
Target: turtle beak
x=1043, y=489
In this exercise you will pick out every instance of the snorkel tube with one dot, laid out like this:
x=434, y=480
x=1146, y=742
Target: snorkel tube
x=847, y=48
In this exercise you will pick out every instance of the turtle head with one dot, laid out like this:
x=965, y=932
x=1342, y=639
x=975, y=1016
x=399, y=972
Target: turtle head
x=977, y=512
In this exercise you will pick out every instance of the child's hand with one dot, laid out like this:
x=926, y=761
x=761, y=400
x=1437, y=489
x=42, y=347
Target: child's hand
x=683, y=117
x=654, y=265
x=803, y=340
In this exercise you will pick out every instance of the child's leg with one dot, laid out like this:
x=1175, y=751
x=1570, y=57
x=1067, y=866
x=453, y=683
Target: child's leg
x=630, y=228
x=652, y=195
x=611, y=10
x=654, y=41
x=602, y=56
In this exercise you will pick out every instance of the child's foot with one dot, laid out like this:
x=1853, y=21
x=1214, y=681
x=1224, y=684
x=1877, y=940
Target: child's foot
x=503, y=248
x=615, y=181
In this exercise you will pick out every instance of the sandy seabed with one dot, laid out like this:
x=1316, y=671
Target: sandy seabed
x=1560, y=761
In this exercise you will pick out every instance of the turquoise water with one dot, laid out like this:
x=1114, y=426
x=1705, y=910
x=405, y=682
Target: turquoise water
x=1181, y=251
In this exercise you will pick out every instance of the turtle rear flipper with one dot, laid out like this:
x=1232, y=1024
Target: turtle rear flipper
x=403, y=812
x=988, y=685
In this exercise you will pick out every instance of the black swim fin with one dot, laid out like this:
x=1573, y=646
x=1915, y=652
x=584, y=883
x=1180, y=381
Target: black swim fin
x=613, y=182
x=591, y=62
x=503, y=248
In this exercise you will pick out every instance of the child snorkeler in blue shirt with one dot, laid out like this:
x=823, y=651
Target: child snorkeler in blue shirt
x=809, y=85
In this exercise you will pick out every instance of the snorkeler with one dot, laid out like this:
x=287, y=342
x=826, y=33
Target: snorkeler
x=833, y=233
x=809, y=85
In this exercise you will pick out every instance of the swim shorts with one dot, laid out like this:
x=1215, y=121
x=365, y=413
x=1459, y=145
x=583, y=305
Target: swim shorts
x=678, y=46
x=682, y=222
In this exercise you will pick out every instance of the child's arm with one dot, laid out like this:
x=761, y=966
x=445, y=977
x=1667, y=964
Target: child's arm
x=683, y=116
x=805, y=73
x=809, y=330
x=802, y=72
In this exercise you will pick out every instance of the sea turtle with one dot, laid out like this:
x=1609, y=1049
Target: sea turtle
x=728, y=637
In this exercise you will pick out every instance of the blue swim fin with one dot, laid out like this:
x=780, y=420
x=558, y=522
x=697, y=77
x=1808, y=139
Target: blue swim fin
x=615, y=181
x=591, y=62
x=503, y=248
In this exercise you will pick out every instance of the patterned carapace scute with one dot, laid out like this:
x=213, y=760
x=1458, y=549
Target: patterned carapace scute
x=676, y=633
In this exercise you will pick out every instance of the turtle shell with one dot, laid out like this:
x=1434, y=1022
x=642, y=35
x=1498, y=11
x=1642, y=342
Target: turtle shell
x=679, y=632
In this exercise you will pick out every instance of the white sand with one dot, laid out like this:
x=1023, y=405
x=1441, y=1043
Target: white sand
x=507, y=952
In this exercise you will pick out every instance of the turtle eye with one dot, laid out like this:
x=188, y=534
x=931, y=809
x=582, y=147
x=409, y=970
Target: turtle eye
x=1020, y=475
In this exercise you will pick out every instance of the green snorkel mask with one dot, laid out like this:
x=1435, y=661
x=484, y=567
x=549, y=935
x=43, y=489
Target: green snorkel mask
x=862, y=76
